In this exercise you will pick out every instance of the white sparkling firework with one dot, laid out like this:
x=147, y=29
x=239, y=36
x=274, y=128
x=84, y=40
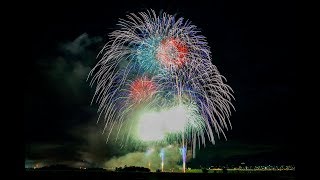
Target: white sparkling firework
x=158, y=64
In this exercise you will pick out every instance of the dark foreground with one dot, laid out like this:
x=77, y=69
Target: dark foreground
x=156, y=176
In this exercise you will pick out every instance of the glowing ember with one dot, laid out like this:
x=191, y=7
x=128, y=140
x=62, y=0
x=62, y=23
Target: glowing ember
x=172, y=52
x=142, y=89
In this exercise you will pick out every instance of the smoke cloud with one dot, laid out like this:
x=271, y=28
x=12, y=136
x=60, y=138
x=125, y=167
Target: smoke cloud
x=150, y=158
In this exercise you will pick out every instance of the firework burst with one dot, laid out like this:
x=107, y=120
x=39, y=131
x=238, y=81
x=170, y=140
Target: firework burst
x=160, y=64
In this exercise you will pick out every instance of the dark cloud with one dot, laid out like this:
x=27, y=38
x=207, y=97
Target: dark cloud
x=92, y=146
x=48, y=154
x=87, y=147
x=67, y=73
x=79, y=45
x=68, y=77
x=57, y=93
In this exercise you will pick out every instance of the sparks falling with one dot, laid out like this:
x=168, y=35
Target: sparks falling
x=160, y=67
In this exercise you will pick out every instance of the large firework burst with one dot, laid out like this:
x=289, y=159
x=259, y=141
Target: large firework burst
x=159, y=64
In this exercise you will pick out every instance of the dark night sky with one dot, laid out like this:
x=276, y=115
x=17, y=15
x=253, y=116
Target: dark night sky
x=253, y=46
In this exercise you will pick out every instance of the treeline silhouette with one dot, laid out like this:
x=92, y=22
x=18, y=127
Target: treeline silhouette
x=65, y=167
x=58, y=167
x=132, y=169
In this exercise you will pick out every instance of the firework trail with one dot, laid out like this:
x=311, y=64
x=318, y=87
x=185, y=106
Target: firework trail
x=161, y=64
x=183, y=152
x=162, y=158
x=148, y=153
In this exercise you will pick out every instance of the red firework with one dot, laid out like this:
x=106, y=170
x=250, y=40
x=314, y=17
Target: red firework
x=142, y=89
x=172, y=52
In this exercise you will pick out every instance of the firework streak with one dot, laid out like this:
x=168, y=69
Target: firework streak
x=160, y=64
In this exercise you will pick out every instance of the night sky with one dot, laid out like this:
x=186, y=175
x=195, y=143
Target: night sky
x=253, y=46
